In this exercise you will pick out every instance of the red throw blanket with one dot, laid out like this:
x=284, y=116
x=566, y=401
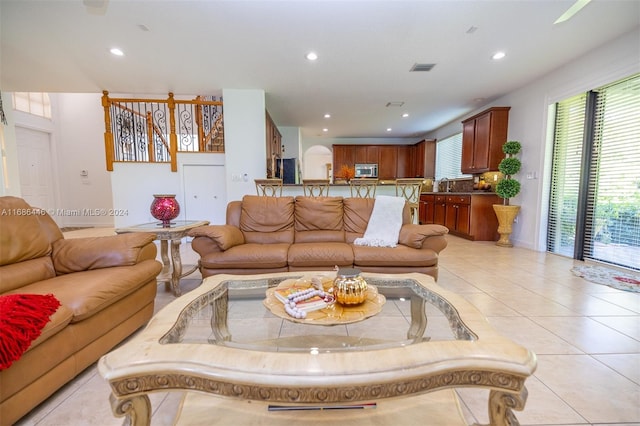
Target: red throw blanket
x=22, y=318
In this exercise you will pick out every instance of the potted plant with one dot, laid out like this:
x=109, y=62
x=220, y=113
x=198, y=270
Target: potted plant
x=507, y=188
x=346, y=172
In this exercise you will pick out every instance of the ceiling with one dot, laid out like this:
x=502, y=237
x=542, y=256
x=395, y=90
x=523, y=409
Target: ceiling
x=366, y=50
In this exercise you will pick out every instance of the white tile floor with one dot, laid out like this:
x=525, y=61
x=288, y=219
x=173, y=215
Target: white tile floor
x=586, y=336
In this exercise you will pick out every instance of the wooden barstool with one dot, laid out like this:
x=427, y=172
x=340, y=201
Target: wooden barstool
x=363, y=187
x=269, y=187
x=315, y=187
x=410, y=189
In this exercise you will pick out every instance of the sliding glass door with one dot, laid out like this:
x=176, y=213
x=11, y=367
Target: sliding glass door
x=595, y=193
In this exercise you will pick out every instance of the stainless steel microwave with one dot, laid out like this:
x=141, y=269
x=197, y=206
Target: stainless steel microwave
x=366, y=170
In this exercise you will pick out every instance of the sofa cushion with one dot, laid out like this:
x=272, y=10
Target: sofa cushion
x=88, y=292
x=249, y=255
x=393, y=256
x=22, y=318
x=267, y=219
x=20, y=234
x=319, y=219
x=320, y=254
x=357, y=212
x=80, y=254
x=356, y=215
x=57, y=322
x=26, y=272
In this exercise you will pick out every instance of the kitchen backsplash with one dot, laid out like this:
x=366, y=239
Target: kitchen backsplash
x=485, y=182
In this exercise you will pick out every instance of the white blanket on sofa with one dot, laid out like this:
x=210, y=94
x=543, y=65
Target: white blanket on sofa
x=384, y=224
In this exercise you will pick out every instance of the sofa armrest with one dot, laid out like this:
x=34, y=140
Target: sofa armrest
x=81, y=254
x=225, y=236
x=424, y=236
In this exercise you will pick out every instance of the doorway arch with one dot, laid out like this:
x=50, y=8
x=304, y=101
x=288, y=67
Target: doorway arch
x=315, y=160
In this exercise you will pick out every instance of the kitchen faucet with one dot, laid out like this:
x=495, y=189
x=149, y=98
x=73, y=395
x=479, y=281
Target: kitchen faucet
x=446, y=181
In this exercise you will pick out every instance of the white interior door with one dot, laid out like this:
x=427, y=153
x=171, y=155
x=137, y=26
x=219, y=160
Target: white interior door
x=35, y=168
x=205, y=194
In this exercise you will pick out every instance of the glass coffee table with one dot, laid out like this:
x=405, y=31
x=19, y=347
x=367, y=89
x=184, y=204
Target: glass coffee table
x=240, y=358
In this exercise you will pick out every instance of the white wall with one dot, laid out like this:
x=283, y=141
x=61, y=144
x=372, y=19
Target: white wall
x=244, y=140
x=79, y=144
x=528, y=123
x=291, y=141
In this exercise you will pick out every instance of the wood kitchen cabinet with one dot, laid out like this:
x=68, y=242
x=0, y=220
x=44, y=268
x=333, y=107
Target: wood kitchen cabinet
x=404, y=164
x=439, y=209
x=360, y=154
x=427, y=208
x=467, y=215
x=482, y=138
x=373, y=154
x=425, y=158
x=343, y=155
x=458, y=213
x=388, y=162
x=394, y=161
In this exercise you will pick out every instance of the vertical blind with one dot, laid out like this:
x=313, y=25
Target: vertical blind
x=449, y=158
x=596, y=176
x=613, y=221
x=565, y=179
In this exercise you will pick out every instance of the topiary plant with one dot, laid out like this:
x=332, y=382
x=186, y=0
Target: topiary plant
x=509, y=187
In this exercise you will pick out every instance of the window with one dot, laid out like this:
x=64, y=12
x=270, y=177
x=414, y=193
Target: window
x=595, y=193
x=449, y=158
x=32, y=103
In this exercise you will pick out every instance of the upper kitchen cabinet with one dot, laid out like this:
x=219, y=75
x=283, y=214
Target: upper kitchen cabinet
x=343, y=155
x=388, y=163
x=405, y=168
x=482, y=138
x=425, y=158
x=274, y=145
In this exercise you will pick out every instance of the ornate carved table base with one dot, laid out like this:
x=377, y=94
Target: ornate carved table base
x=172, y=270
x=167, y=356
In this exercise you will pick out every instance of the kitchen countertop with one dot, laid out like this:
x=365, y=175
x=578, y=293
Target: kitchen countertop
x=392, y=183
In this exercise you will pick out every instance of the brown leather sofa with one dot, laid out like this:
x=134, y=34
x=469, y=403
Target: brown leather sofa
x=106, y=287
x=277, y=234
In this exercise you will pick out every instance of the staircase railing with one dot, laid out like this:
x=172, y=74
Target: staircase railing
x=137, y=130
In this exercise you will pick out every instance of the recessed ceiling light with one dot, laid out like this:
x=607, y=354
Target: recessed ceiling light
x=405, y=115
x=312, y=56
x=389, y=129
x=498, y=55
x=325, y=130
x=116, y=51
x=327, y=116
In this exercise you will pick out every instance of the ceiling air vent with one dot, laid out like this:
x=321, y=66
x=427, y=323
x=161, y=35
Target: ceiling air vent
x=422, y=67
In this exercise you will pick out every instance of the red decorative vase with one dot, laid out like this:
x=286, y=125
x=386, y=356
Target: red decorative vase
x=165, y=208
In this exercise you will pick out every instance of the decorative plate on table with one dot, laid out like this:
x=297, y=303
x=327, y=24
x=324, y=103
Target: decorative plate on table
x=332, y=314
